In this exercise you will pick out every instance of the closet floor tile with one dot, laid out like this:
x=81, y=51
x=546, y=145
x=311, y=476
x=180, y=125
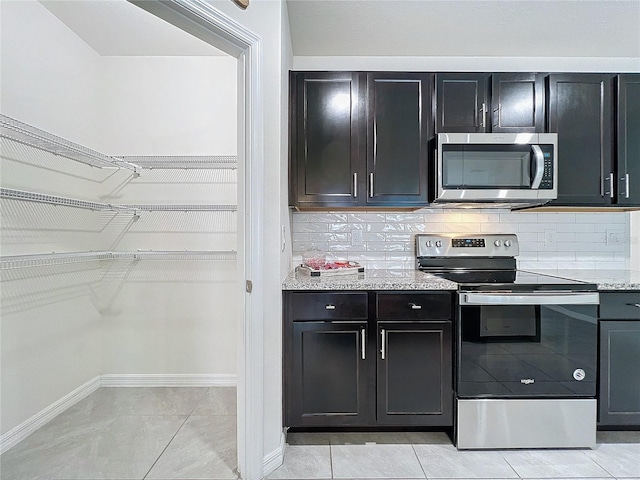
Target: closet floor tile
x=217, y=401
x=304, y=462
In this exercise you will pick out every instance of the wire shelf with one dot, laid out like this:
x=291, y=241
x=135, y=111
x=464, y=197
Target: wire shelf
x=34, y=137
x=11, y=262
x=183, y=161
x=133, y=208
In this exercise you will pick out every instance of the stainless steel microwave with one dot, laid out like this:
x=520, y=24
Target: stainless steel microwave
x=511, y=169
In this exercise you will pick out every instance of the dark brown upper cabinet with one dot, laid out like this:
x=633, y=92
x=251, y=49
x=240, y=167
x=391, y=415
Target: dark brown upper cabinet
x=580, y=110
x=489, y=102
x=398, y=112
x=462, y=102
x=359, y=139
x=628, y=139
x=517, y=102
x=327, y=129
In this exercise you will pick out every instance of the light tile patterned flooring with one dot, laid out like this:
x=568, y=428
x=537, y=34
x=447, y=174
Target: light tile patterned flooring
x=190, y=433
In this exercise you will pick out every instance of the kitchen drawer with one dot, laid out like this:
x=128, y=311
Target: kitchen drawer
x=620, y=305
x=413, y=306
x=330, y=306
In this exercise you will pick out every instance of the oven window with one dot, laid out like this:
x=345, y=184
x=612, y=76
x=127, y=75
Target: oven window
x=486, y=166
x=527, y=351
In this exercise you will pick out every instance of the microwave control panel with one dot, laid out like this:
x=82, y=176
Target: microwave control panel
x=547, y=176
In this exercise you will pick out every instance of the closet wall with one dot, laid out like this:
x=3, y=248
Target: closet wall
x=160, y=313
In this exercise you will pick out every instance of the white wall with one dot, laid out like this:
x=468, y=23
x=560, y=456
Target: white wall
x=62, y=326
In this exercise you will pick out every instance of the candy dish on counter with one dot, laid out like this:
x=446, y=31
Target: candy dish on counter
x=331, y=268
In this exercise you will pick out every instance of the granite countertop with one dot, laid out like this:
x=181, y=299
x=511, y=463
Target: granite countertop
x=369, y=280
x=605, y=279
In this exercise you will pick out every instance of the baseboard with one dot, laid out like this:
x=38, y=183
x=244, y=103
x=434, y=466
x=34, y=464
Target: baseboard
x=171, y=380
x=26, y=428
x=275, y=458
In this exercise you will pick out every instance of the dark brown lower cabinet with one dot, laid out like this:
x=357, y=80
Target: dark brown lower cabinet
x=414, y=381
x=329, y=375
x=343, y=370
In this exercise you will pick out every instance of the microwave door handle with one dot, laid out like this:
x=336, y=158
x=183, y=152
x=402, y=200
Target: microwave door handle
x=539, y=163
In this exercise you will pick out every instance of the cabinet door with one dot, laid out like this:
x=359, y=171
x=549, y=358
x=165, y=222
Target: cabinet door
x=397, y=137
x=580, y=111
x=628, y=139
x=329, y=375
x=415, y=373
x=517, y=102
x=328, y=157
x=461, y=102
x=619, y=393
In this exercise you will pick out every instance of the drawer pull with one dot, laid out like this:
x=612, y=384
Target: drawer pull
x=634, y=305
x=330, y=307
x=415, y=306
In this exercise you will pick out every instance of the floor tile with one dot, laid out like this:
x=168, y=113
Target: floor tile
x=217, y=401
x=553, y=464
x=445, y=461
x=375, y=461
x=304, y=461
x=204, y=448
x=619, y=460
x=140, y=401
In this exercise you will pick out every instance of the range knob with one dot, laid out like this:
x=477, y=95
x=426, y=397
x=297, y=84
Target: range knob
x=429, y=244
x=438, y=243
x=497, y=243
x=507, y=243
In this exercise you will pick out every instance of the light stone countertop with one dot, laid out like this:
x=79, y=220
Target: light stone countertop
x=605, y=279
x=369, y=280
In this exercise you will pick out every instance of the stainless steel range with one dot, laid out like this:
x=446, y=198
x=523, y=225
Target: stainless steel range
x=526, y=346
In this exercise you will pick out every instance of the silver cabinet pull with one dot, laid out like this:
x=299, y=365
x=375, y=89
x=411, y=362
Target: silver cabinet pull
x=634, y=305
x=330, y=307
x=363, y=347
x=383, y=351
x=482, y=114
x=371, y=185
x=625, y=179
x=610, y=178
x=355, y=185
x=415, y=306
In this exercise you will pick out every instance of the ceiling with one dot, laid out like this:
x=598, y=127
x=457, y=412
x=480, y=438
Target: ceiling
x=493, y=28
x=447, y=28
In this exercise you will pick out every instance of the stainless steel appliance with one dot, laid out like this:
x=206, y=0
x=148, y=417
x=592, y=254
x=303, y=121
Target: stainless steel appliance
x=526, y=346
x=513, y=170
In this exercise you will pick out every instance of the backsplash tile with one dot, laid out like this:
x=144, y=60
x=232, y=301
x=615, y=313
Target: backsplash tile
x=547, y=240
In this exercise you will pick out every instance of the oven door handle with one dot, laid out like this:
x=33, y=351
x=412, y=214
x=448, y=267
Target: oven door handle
x=538, y=298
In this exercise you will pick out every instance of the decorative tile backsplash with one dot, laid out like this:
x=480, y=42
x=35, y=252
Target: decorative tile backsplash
x=547, y=240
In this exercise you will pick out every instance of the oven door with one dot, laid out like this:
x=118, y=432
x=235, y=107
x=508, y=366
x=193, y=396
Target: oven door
x=527, y=345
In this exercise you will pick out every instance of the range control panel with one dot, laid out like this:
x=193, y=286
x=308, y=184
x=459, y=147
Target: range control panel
x=467, y=245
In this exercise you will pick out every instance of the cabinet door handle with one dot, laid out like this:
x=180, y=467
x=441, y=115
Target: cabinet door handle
x=355, y=185
x=363, y=346
x=415, y=306
x=625, y=179
x=482, y=113
x=610, y=178
x=383, y=350
x=330, y=307
x=634, y=305
x=371, y=185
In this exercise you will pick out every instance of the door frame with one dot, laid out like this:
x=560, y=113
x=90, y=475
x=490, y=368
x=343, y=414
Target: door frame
x=204, y=21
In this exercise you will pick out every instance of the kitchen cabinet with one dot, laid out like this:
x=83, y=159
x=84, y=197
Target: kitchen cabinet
x=484, y=102
x=461, y=102
x=414, y=365
x=359, y=139
x=328, y=139
x=628, y=139
x=580, y=110
x=367, y=359
x=619, y=389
